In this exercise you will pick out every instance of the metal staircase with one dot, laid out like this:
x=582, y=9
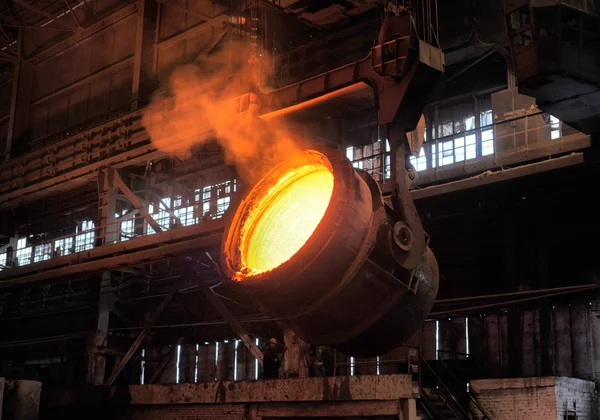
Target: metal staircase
x=444, y=396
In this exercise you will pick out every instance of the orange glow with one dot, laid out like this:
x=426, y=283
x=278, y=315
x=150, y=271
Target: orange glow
x=285, y=218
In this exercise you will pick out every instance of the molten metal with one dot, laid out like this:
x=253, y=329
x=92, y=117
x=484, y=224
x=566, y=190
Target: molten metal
x=285, y=218
x=311, y=243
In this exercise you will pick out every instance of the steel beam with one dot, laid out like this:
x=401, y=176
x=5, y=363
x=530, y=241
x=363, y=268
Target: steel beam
x=41, y=28
x=73, y=14
x=8, y=19
x=216, y=39
x=233, y=323
x=96, y=359
x=106, y=226
x=142, y=335
x=34, y=9
x=187, y=11
x=210, y=240
x=135, y=200
x=20, y=98
x=84, y=34
x=4, y=56
x=193, y=32
x=500, y=175
x=40, y=12
x=137, y=60
x=2, y=384
x=6, y=38
x=100, y=74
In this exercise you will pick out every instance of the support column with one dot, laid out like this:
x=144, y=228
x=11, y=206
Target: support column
x=22, y=400
x=106, y=227
x=143, y=64
x=19, y=104
x=543, y=270
x=408, y=409
x=293, y=354
x=106, y=232
x=514, y=279
x=2, y=384
x=96, y=372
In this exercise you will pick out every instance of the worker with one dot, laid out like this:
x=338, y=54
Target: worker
x=272, y=360
x=321, y=361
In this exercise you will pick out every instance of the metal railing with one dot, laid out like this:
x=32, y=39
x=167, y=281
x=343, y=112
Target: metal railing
x=124, y=228
x=490, y=143
x=460, y=383
x=351, y=366
x=451, y=400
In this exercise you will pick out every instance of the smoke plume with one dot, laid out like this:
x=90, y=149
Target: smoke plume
x=197, y=109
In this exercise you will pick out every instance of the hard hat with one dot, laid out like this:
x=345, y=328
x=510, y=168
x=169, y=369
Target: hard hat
x=273, y=341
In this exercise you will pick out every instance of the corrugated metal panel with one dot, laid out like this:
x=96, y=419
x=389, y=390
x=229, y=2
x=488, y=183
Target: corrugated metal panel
x=563, y=365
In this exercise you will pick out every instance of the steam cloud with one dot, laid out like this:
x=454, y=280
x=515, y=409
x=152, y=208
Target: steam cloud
x=196, y=110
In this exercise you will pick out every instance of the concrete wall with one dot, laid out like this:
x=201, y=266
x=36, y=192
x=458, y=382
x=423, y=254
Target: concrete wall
x=540, y=398
x=575, y=396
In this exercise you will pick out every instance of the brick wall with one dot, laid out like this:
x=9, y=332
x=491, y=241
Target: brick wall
x=539, y=398
x=188, y=412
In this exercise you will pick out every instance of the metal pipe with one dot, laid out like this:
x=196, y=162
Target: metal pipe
x=47, y=28
x=525, y=292
x=196, y=324
x=511, y=302
x=17, y=343
x=12, y=318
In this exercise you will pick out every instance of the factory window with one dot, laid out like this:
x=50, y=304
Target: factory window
x=519, y=26
x=256, y=362
x=185, y=214
x=419, y=162
x=485, y=118
x=162, y=216
x=3, y=262
x=216, y=358
x=467, y=345
x=487, y=142
x=84, y=239
x=519, y=19
x=456, y=150
x=63, y=246
x=217, y=198
x=196, y=367
x=456, y=135
x=177, y=364
x=42, y=252
x=437, y=340
x=370, y=158
x=455, y=119
x=487, y=131
x=554, y=128
x=127, y=227
x=351, y=366
x=235, y=360
x=23, y=255
x=143, y=367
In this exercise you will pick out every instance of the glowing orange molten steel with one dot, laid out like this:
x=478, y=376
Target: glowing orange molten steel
x=284, y=218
